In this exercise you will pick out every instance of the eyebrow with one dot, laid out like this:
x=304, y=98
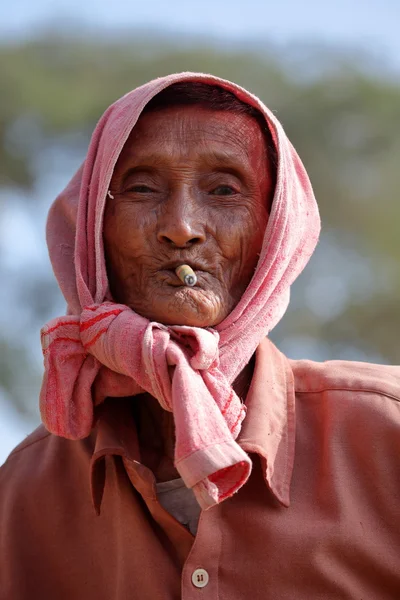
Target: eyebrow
x=224, y=158
x=223, y=162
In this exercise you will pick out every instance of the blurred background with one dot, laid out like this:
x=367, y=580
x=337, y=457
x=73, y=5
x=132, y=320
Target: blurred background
x=331, y=73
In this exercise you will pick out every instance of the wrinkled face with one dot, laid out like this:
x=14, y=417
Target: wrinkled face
x=191, y=186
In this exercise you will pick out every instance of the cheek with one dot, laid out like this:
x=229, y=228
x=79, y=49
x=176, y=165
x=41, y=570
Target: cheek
x=240, y=232
x=126, y=230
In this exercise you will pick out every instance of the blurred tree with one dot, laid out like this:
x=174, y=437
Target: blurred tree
x=342, y=119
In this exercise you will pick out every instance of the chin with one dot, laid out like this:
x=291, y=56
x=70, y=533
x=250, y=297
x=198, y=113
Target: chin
x=187, y=306
x=188, y=319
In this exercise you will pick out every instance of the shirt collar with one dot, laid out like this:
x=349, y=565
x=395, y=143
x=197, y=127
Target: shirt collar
x=268, y=429
x=115, y=436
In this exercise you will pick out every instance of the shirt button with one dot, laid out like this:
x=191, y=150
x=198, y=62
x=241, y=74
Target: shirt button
x=200, y=578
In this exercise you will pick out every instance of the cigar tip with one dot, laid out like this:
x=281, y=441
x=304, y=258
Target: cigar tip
x=186, y=275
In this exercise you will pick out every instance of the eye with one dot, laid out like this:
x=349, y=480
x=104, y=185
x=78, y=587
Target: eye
x=223, y=190
x=140, y=189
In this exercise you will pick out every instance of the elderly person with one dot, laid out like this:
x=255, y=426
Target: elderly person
x=182, y=455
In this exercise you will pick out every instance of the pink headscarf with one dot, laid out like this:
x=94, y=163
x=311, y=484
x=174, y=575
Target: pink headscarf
x=102, y=349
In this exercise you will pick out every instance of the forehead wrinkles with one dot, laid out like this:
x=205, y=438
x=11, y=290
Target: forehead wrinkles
x=187, y=128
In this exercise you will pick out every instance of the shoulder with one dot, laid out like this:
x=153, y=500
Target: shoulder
x=44, y=492
x=36, y=464
x=47, y=514
x=37, y=436
x=344, y=376
x=26, y=453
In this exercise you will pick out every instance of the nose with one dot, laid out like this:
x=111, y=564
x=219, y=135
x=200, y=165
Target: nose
x=180, y=225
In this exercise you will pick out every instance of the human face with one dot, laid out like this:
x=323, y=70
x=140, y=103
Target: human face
x=191, y=186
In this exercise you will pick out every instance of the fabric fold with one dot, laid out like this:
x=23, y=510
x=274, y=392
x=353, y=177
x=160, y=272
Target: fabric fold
x=208, y=414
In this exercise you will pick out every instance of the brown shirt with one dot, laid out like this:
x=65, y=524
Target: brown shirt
x=319, y=517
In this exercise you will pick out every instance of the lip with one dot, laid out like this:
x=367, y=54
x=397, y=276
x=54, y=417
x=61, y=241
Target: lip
x=171, y=266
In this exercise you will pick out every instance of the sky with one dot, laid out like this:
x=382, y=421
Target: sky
x=12, y=428
x=371, y=25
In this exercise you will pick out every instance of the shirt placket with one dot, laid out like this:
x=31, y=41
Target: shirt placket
x=200, y=571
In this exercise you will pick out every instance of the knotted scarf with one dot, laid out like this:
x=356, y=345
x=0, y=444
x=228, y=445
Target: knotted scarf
x=102, y=349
